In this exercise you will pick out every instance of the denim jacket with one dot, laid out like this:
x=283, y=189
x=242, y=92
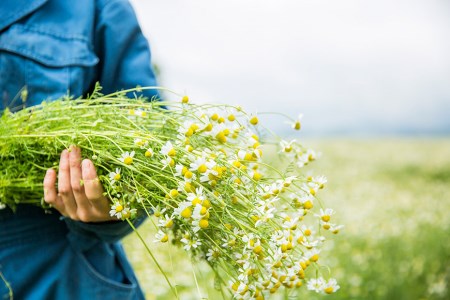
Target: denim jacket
x=60, y=47
x=56, y=48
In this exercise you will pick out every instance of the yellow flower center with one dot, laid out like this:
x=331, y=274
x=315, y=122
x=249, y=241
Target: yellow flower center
x=328, y=290
x=172, y=163
x=171, y=152
x=254, y=120
x=231, y=118
x=126, y=215
x=174, y=193
x=303, y=265
x=189, y=132
x=208, y=127
x=148, y=153
x=188, y=175
x=196, y=201
x=221, y=137
x=202, y=168
x=203, y=223
x=258, y=249
x=203, y=210
x=297, y=125
x=117, y=176
x=186, y=213
x=308, y=204
x=206, y=203
x=128, y=160
x=119, y=208
x=185, y=99
x=326, y=218
x=215, y=117
x=165, y=238
x=169, y=224
x=257, y=176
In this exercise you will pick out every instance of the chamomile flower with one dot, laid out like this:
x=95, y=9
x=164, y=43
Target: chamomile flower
x=166, y=222
x=148, y=152
x=312, y=255
x=320, y=181
x=128, y=212
x=115, y=176
x=168, y=149
x=127, y=157
x=287, y=147
x=325, y=215
x=330, y=286
x=190, y=242
x=212, y=254
x=141, y=143
x=161, y=237
x=157, y=211
x=167, y=162
x=116, y=210
x=316, y=284
x=297, y=125
x=335, y=228
x=199, y=165
x=196, y=197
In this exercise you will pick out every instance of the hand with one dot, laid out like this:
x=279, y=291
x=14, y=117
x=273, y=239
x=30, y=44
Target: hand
x=80, y=194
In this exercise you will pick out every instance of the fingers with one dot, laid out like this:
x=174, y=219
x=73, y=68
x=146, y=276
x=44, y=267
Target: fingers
x=93, y=188
x=80, y=193
x=50, y=194
x=81, y=200
x=75, y=173
x=64, y=185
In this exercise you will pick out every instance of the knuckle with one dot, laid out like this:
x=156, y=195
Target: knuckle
x=64, y=191
x=74, y=217
x=84, y=215
x=74, y=163
x=77, y=188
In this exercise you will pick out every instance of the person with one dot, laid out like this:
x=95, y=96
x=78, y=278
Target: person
x=55, y=48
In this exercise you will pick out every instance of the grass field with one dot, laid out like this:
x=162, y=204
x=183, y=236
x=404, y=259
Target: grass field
x=392, y=195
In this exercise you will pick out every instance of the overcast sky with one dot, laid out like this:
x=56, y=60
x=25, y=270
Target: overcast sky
x=359, y=67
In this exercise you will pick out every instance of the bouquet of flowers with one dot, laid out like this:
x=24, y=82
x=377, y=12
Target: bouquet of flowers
x=198, y=170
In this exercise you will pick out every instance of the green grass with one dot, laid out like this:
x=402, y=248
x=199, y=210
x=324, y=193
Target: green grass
x=393, y=196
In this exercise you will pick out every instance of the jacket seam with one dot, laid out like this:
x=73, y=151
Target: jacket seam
x=61, y=37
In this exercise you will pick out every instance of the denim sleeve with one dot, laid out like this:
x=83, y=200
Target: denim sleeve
x=109, y=232
x=125, y=58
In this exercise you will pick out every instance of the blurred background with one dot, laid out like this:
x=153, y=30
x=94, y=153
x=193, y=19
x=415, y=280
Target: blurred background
x=372, y=79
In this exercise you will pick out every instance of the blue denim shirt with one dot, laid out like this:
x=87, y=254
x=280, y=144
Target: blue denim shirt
x=55, y=48
x=60, y=47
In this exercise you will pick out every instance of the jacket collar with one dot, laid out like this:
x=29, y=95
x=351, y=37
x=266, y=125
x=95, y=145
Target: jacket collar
x=13, y=10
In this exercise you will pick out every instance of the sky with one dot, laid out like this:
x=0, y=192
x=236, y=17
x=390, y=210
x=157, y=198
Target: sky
x=351, y=67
